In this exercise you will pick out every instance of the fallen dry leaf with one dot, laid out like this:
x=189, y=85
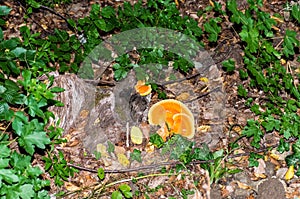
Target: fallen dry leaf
x=203, y=128
x=101, y=148
x=290, y=173
x=243, y=185
x=136, y=135
x=183, y=96
x=123, y=160
x=71, y=187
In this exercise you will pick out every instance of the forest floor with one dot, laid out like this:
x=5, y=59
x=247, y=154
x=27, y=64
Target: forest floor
x=265, y=181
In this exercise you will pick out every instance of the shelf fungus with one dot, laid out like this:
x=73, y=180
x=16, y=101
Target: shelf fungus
x=142, y=88
x=173, y=117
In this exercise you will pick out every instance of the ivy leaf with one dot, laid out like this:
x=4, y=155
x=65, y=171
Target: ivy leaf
x=19, y=122
x=57, y=89
x=4, y=162
x=296, y=12
x=229, y=65
x=27, y=191
x=260, y=78
x=156, y=140
x=116, y=195
x=33, y=136
x=111, y=147
x=136, y=155
x=250, y=36
x=19, y=161
x=4, y=151
x=126, y=190
x=242, y=91
x=1, y=34
x=289, y=42
x=253, y=130
x=4, y=10
x=8, y=176
x=101, y=173
x=270, y=123
x=213, y=28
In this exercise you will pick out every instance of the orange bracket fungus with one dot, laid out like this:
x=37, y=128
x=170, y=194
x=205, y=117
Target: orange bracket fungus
x=173, y=117
x=142, y=88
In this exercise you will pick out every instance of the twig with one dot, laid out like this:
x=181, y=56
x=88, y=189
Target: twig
x=202, y=95
x=53, y=12
x=33, y=19
x=172, y=164
x=178, y=80
x=100, y=82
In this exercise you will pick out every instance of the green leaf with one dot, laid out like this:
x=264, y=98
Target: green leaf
x=4, y=10
x=136, y=155
x=229, y=65
x=253, y=130
x=19, y=51
x=242, y=91
x=292, y=159
x=202, y=153
x=116, y=195
x=72, y=23
x=108, y=12
x=243, y=74
x=100, y=23
x=126, y=190
x=250, y=36
x=213, y=29
x=26, y=191
x=271, y=123
x=283, y=146
x=4, y=151
x=8, y=176
x=1, y=34
x=35, y=139
x=258, y=75
x=290, y=41
x=156, y=140
x=218, y=154
x=4, y=163
x=9, y=44
x=34, y=172
x=20, y=161
x=111, y=147
x=18, y=123
x=101, y=173
x=13, y=67
x=57, y=89
x=5, y=112
x=296, y=12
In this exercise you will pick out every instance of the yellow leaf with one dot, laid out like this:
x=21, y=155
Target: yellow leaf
x=149, y=148
x=203, y=128
x=123, y=159
x=282, y=61
x=101, y=148
x=136, y=135
x=290, y=173
x=204, y=79
x=274, y=156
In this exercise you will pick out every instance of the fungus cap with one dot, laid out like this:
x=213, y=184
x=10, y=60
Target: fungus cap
x=142, y=88
x=173, y=114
